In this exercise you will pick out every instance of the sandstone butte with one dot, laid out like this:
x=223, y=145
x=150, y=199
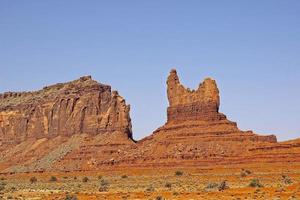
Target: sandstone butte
x=83, y=125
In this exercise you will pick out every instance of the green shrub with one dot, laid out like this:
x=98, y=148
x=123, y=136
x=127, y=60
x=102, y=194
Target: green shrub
x=124, y=176
x=71, y=197
x=255, y=183
x=175, y=193
x=2, y=187
x=85, y=179
x=53, y=179
x=211, y=185
x=178, y=173
x=223, y=186
x=104, y=185
x=159, y=198
x=168, y=185
x=287, y=180
x=33, y=179
x=150, y=189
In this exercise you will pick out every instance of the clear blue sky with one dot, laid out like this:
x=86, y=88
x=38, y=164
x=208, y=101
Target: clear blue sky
x=252, y=49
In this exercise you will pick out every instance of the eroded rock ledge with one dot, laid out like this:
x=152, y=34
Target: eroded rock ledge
x=80, y=106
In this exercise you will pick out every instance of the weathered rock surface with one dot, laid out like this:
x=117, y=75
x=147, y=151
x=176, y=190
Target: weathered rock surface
x=83, y=125
x=80, y=106
x=186, y=104
x=197, y=134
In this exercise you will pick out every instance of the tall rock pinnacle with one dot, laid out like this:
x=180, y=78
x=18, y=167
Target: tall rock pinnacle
x=186, y=104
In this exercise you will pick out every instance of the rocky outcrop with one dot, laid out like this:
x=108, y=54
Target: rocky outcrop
x=196, y=132
x=83, y=125
x=197, y=111
x=186, y=104
x=77, y=107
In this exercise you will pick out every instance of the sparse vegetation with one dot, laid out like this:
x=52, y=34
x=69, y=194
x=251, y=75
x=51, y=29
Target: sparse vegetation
x=53, y=179
x=159, y=198
x=255, y=183
x=286, y=179
x=2, y=186
x=211, y=185
x=71, y=197
x=104, y=185
x=124, y=176
x=178, y=173
x=33, y=180
x=99, y=177
x=223, y=186
x=150, y=189
x=85, y=179
x=245, y=172
x=168, y=185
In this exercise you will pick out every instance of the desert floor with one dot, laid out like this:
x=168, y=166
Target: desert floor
x=255, y=181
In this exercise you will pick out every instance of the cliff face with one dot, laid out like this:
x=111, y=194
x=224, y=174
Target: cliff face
x=80, y=106
x=83, y=125
x=186, y=104
x=195, y=131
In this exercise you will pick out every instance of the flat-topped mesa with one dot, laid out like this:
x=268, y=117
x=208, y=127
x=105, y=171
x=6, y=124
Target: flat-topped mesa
x=186, y=104
x=80, y=106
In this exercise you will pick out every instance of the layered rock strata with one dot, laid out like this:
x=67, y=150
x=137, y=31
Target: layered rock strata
x=83, y=125
x=64, y=109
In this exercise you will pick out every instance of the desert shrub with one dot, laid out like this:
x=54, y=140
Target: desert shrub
x=33, y=179
x=2, y=186
x=286, y=179
x=255, y=183
x=71, y=197
x=2, y=178
x=65, y=177
x=178, y=173
x=223, y=186
x=10, y=197
x=175, y=193
x=85, y=179
x=211, y=185
x=245, y=172
x=99, y=177
x=150, y=189
x=53, y=179
x=104, y=185
x=124, y=176
x=75, y=177
x=168, y=185
x=159, y=198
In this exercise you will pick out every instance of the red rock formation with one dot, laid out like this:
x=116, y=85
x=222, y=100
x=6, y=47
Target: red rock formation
x=186, y=104
x=80, y=106
x=195, y=132
x=82, y=125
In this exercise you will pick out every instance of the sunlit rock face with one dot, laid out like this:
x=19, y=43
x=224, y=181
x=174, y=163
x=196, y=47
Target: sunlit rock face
x=186, y=104
x=76, y=107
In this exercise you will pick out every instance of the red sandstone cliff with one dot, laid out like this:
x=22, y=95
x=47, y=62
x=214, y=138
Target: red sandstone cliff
x=82, y=125
x=80, y=106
